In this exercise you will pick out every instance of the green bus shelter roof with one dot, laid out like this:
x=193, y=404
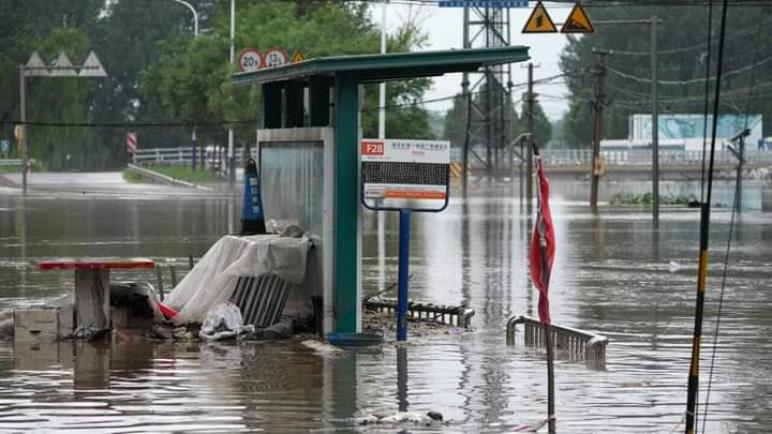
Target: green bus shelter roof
x=391, y=66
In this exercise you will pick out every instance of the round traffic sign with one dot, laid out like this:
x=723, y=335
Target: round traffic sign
x=249, y=60
x=275, y=57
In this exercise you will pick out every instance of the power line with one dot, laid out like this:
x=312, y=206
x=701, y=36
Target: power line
x=691, y=81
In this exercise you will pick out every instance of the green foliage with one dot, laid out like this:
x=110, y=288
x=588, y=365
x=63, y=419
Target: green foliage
x=192, y=81
x=158, y=73
x=682, y=26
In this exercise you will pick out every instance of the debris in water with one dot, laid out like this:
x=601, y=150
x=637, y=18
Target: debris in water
x=402, y=416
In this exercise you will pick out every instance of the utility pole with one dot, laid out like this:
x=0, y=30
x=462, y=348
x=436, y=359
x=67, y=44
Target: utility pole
x=652, y=21
x=23, y=119
x=654, y=126
x=598, y=104
x=231, y=150
x=529, y=146
x=467, y=109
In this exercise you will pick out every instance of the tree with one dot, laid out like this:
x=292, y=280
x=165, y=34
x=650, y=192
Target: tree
x=191, y=80
x=682, y=62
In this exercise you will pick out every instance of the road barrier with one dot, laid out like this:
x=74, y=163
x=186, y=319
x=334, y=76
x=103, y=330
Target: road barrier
x=577, y=343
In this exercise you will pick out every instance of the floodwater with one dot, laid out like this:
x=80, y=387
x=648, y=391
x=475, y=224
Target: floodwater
x=612, y=275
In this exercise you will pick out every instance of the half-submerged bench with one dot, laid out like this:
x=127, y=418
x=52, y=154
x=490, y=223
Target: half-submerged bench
x=92, y=288
x=579, y=344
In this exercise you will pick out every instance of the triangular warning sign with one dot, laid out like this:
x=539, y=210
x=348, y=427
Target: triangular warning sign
x=298, y=57
x=35, y=66
x=92, y=67
x=577, y=21
x=63, y=67
x=539, y=21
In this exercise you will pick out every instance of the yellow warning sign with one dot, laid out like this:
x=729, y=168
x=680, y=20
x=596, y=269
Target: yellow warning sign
x=298, y=57
x=577, y=21
x=539, y=21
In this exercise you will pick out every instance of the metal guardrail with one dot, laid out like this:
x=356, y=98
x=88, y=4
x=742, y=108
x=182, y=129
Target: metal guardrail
x=577, y=343
x=637, y=157
x=458, y=316
x=184, y=155
x=11, y=162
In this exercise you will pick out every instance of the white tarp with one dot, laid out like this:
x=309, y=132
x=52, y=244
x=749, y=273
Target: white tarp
x=214, y=277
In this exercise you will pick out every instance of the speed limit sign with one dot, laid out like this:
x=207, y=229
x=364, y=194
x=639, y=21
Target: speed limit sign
x=249, y=60
x=275, y=57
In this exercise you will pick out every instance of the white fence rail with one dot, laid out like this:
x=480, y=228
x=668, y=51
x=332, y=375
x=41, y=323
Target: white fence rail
x=213, y=157
x=583, y=157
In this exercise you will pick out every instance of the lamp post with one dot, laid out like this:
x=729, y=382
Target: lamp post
x=195, y=15
x=195, y=35
x=231, y=151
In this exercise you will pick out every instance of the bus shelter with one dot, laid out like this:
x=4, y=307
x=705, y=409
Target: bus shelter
x=309, y=154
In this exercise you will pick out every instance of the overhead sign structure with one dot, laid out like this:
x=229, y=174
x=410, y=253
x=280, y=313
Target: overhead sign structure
x=275, y=57
x=250, y=60
x=405, y=174
x=577, y=21
x=483, y=3
x=539, y=21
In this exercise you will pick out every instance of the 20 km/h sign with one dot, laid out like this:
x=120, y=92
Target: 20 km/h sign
x=250, y=60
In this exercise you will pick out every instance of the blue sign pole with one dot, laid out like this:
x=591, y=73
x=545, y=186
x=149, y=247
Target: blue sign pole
x=404, y=259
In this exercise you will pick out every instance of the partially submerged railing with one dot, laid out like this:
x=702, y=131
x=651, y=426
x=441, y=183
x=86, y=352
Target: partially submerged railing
x=577, y=343
x=458, y=316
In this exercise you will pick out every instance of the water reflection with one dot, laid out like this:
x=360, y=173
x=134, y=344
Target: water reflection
x=612, y=276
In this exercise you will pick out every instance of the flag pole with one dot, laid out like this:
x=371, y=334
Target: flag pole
x=550, y=379
x=547, y=323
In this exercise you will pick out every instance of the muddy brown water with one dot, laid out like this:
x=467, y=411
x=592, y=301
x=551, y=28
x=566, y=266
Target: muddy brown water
x=612, y=275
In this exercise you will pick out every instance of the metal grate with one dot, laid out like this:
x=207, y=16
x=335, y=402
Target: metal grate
x=458, y=316
x=261, y=299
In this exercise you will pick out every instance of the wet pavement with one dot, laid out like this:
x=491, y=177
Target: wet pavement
x=613, y=274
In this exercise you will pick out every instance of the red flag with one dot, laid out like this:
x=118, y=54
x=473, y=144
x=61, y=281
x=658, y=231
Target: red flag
x=542, y=243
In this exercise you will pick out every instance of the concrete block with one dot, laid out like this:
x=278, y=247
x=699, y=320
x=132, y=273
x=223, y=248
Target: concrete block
x=40, y=324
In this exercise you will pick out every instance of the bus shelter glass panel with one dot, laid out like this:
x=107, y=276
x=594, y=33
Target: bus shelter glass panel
x=292, y=176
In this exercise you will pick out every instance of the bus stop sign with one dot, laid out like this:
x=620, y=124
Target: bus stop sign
x=402, y=174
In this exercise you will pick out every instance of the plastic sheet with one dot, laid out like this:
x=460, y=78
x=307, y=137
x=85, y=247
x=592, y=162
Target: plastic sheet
x=223, y=321
x=213, y=279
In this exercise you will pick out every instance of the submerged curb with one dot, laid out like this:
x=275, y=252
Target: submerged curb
x=163, y=179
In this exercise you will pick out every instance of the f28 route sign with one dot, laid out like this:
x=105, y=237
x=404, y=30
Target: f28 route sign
x=405, y=174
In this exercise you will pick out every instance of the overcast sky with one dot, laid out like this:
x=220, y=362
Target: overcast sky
x=444, y=26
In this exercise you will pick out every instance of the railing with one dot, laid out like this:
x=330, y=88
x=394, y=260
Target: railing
x=214, y=157
x=637, y=157
x=458, y=316
x=12, y=162
x=578, y=344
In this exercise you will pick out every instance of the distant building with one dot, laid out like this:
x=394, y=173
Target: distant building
x=685, y=132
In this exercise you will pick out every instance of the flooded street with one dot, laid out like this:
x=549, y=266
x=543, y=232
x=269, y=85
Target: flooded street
x=613, y=275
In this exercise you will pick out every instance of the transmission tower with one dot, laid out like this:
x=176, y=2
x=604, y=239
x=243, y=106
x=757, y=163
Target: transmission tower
x=488, y=120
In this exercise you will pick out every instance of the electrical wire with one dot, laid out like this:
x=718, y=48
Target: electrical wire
x=737, y=196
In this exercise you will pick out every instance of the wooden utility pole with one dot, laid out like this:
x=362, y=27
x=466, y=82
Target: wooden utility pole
x=654, y=125
x=529, y=128
x=598, y=104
